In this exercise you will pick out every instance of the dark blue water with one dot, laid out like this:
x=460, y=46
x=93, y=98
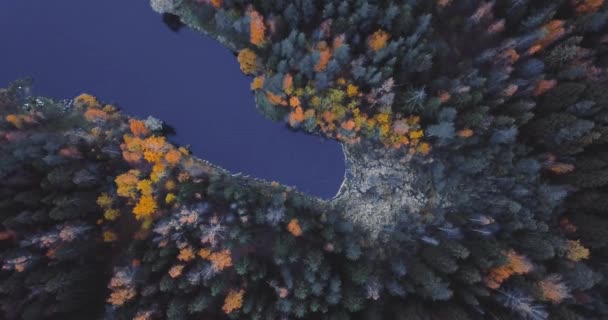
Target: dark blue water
x=120, y=51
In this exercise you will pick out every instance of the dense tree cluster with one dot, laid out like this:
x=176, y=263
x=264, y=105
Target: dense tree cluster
x=499, y=108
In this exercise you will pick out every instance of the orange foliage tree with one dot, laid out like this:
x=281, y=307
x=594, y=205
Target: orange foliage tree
x=257, y=28
x=233, y=301
x=516, y=264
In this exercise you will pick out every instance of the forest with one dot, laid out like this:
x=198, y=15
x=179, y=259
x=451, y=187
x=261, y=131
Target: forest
x=476, y=187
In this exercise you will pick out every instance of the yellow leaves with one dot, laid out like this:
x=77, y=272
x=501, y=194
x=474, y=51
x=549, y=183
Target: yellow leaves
x=352, y=90
x=111, y=214
x=86, y=100
x=257, y=28
x=383, y=118
x=170, y=198
x=127, y=183
x=417, y=134
x=248, y=61
x=138, y=128
x=423, y=148
x=170, y=185
x=294, y=227
x=257, y=83
x=378, y=40
x=145, y=186
x=145, y=207
x=233, y=301
x=575, y=251
x=109, y=236
x=105, y=200
x=176, y=271
x=186, y=254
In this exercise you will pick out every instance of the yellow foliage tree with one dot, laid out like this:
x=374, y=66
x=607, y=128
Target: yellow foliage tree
x=575, y=251
x=248, y=61
x=126, y=184
x=378, y=40
x=86, y=100
x=145, y=207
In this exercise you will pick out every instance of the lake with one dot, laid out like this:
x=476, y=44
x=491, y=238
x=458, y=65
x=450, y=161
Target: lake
x=122, y=52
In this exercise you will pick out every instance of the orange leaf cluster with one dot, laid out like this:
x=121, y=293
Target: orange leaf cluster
x=543, y=86
x=248, y=61
x=173, y=156
x=176, y=271
x=294, y=227
x=324, y=56
x=561, y=168
x=554, y=29
x=296, y=116
x=257, y=28
x=378, y=40
x=516, y=264
x=465, y=133
x=288, y=83
x=121, y=296
x=233, y=301
x=216, y=3
x=221, y=260
x=86, y=100
x=588, y=6
x=127, y=184
x=94, y=114
x=553, y=289
x=18, y=120
x=138, y=128
x=186, y=254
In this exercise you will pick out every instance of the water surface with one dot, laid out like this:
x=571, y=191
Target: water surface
x=120, y=51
